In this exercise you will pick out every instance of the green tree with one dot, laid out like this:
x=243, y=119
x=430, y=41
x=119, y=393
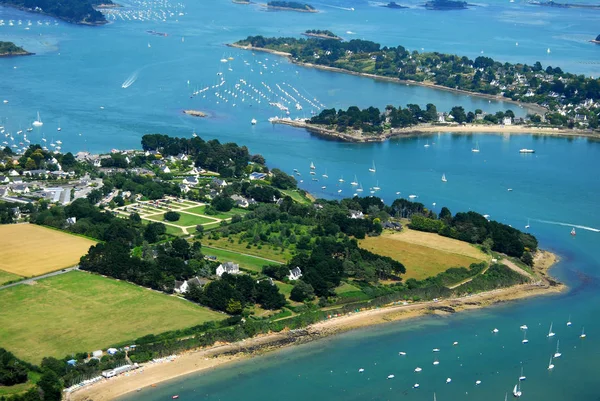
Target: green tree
x=302, y=292
x=172, y=216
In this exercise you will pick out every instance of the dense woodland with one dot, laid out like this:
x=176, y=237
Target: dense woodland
x=291, y=4
x=9, y=48
x=372, y=121
x=76, y=11
x=15, y=371
x=550, y=86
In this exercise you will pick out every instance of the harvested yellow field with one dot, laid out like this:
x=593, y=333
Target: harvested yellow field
x=30, y=250
x=424, y=254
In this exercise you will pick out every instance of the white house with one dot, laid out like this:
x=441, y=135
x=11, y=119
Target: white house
x=240, y=201
x=507, y=121
x=181, y=287
x=356, y=214
x=71, y=220
x=13, y=173
x=20, y=189
x=165, y=169
x=228, y=267
x=220, y=183
x=184, y=188
x=4, y=179
x=191, y=180
x=295, y=273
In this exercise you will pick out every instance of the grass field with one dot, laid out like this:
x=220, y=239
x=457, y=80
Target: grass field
x=29, y=250
x=424, y=254
x=5, y=277
x=222, y=215
x=185, y=220
x=266, y=252
x=297, y=196
x=253, y=263
x=81, y=312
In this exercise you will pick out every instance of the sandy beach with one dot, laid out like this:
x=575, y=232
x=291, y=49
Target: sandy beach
x=424, y=129
x=151, y=375
x=532, y=107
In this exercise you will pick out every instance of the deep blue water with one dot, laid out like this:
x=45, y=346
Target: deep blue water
x=78, y=70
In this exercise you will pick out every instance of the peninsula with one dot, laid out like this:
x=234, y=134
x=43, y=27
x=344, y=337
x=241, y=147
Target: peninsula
x=232, y=250
x=9, y=49
x=321, y=34
x=446, y=5
x=74, y=11
x=290, y=6
x=559, y=95
x=393, y=4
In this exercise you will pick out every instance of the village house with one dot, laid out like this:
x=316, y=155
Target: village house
x=13, y=173
x=4, y=179
x=184, y=188
x=20, y=189
x=219, y=182
x=507, y=121
x=240, y=201
x=356, y=214
x=295, y=274
x=3, y=192
x=165, y=169
x=191, y=180
x=181, y=287
x=228, y=267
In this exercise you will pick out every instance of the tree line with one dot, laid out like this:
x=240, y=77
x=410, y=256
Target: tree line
x=76, y=11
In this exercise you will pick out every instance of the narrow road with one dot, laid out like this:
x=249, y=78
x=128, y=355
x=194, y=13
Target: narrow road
x=31, y=280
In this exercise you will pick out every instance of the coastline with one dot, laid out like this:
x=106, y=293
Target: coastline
x=217, y=355
x=408, y=132
x=29, y=10
x=535, y=108
x=299, y=10
x=19, y=54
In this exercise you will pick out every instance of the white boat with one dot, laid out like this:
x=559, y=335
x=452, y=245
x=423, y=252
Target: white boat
x=38, y=122
x=360, y=189
x=478, y=382
x=339, y=191
x=524, y=150
x=444, y=178
x=323, y=187
x=550, y=332
x=416, y=385
x=569, y=321
x=253, y=121
x=573, y=232
x=448, y=380
x=476, y=148
x=412, y=196
x=436, y=362
x=418, y=369
x=525, y=340
x=426, y=145
x=372, y=169
x=495, y=331
x=583, y=335
x=550, y=365
x=436, y=350
x=361, y=370
x=312, y=166
x=341, y=179
x=557, y=354
x=548, y=51
x=355, y=182
x=29, y=129
x=517, y=390
x=59, y=142
x=390, y=376
x=455, y=343
x=149, y=44
x=376, y=187
x=402, y=353
x=325, y=175
x=524, y=327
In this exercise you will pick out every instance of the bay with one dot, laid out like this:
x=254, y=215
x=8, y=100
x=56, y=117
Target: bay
x=76, y=79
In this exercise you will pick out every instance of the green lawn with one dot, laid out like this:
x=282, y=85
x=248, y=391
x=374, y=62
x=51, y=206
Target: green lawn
x=247, y=262
x=185, y=220
x=284, y=288
x=266, y=252
x=174, y=230
x=222, y=215
x=5, y=277
x=297, y=196
x=345, y=288
x=81, y=312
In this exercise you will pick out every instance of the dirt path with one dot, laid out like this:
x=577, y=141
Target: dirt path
x=516, y=268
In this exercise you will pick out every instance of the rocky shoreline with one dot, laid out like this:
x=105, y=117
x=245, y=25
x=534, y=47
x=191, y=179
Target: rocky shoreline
x=299, y=10
x=428, y=129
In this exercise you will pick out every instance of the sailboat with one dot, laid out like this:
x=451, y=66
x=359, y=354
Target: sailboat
x=355, y=182
x=550, y=332
x=476, y=148
x=527, y=226
x=360, y=189
x=325, y=175
x=569, y=321
x=522, y=377
x=444, y=178
x=525, y=340
x=38, y=122
x=372, y=169
x=517, y=390
x=582, y=333
x=573, y=232
x=550, y=365
x=557, y=354
x=376, y=187
x=312, y=166
x=427, y=144
x=341, y=179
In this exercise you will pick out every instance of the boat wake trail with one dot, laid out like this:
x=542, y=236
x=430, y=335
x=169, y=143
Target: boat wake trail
x=129, y=81
x=338, y=7
x=558, y=223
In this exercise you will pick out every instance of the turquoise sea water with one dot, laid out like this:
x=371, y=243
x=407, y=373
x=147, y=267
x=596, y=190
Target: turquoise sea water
x=78, y=70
